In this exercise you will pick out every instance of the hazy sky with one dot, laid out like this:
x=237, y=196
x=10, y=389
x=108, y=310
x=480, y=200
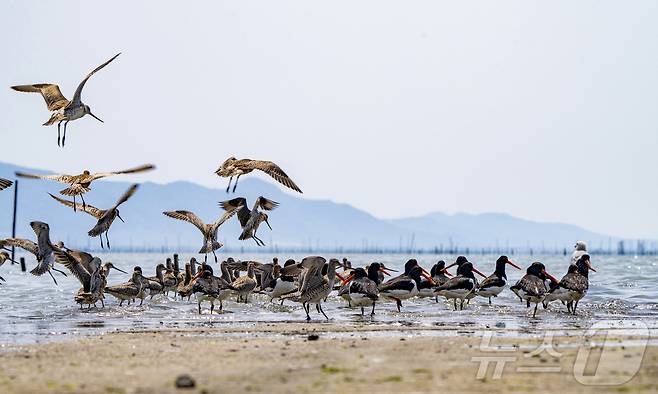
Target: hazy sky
x=546, y=110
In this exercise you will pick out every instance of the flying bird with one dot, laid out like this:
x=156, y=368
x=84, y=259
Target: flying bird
x=79, y=184
x=43, y=249
x=5, y=183
x=105, y=216
x=250, y=219
x=209, y=231
x=62, y=109
x=234, y=167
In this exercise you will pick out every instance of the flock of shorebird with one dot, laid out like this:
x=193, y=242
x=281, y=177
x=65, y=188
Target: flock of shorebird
x=308, y=282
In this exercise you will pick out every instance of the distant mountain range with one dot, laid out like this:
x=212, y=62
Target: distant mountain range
x=298, y=222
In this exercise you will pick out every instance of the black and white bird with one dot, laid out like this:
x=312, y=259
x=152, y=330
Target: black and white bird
x=404, y=286
x=531, y=287
x=574, y=285
x=496, y=282
x=363, y=288
x=462, y=287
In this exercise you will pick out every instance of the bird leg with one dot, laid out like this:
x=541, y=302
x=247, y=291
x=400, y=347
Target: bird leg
x=212, y=307
x=535, y=312
x=322, y=310
x=489, y=300
x=236, y=183
x=75, y=209
x=574, y=308
x=58, y=142
x=455, y=303
x=51, y=275
x=61, y=272
x=64, y=137
x=362, y=312
x=229, y=184
x=107, y=238
x=101, y=237
x=372, y=313
x=199, y=307
x=84, y=204
x=214, y=254
x=205, y=259
x=258, y=240
x=121, y=303
x=308, y=317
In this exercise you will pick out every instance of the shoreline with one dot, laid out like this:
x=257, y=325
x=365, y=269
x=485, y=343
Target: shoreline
x=285, y=357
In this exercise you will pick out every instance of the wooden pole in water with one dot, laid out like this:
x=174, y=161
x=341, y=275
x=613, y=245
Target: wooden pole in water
x=23, y=264
x=13, y=224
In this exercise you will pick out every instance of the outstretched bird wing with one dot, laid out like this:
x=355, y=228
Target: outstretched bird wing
x=313, y=272
x=125, y=196
x=77, y=269
x=275, y=172
x=226, y=216
x=145, y=167
x=78, y=92
x=188, y=217
x=25, y=244
x=55, y=100
x=266, y=204
x=241, y=204
x=90, y=209
x=57, y=178
x=5, y=183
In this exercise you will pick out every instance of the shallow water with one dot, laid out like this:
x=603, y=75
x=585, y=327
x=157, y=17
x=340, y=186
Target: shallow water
x=33, y=309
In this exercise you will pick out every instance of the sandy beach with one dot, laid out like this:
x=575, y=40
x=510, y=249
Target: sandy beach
x=286, y=358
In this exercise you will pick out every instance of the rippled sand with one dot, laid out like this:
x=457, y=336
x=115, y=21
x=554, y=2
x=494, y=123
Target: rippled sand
x=279, y=357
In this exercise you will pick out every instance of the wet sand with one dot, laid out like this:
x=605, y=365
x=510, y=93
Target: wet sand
x=280, y=358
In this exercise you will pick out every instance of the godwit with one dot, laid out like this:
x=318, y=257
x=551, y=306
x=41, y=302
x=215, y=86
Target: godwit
x=363, y=287
x=80, y=184
x=496, y=282
x=63, y=109
x=404, y=286
x=43, y=249
x=209, y=231
x=155, y=284
x=89, y=272
x=5, y=183
x=105, y=216
x=234, y=167
x=250, y=219
x=244, y=285
x=574, y=285
x=184, y=288
x=144, y=285
x=169, y=280
x=127, y=291
x=4, y=256
x=314, y=286
x=531, y=287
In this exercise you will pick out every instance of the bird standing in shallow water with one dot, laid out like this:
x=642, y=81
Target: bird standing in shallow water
x=404, y=286
x=63, y=109
x=209, y=231
x=531, y=287
x=79, y=184
x=105, y=216
x=574, y=285
x=250, y=219
x=234, y=167
x=496, y=282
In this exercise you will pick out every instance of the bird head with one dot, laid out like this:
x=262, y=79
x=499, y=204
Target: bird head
x=88, y=112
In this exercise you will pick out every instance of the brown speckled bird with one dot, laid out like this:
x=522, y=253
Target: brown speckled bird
x=79, y=184
x=234, y=167
x=63, y=109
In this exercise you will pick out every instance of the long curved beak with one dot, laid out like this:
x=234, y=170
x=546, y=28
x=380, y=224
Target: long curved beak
x=96, y=117
x=119, y=269
x=268, y=224
x=450, y=266
x=389, y=269
x=341, y=277
x=510, y=262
